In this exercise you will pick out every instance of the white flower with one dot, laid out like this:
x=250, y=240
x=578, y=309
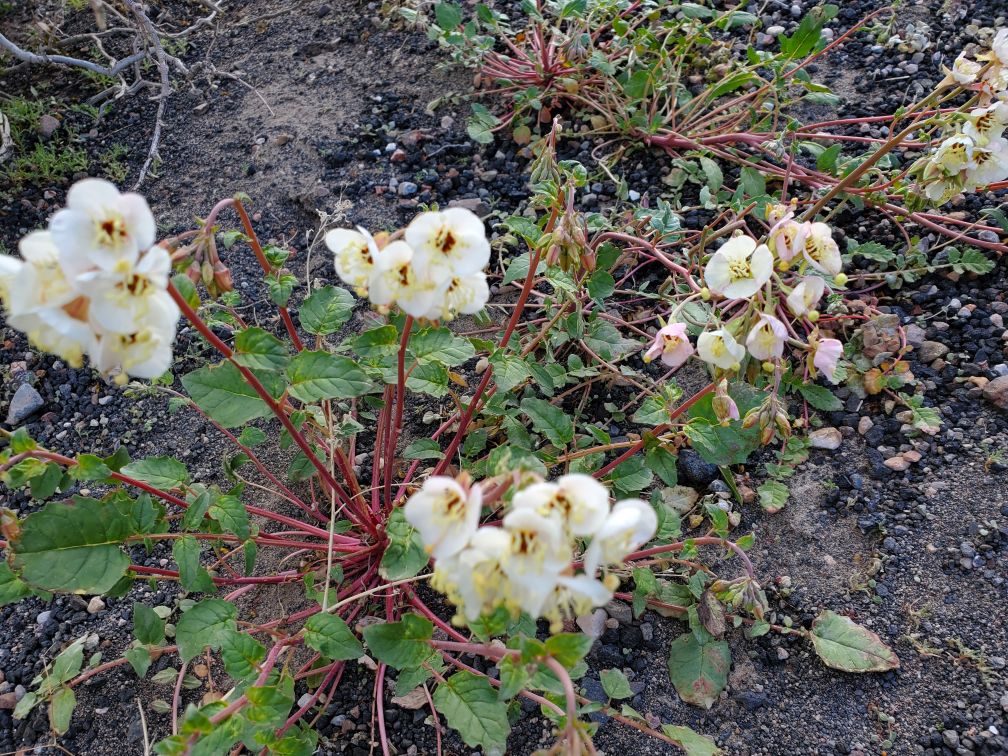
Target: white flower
x=986, y=124
x=820, y=249
x=41, y=303
x=397, y=280
x=954, y=154
x=575, y=596
x=119, y=301
x=101, y=228
x=782, y=238
x=463, y=295
x=473, y=578
x=739, y=268
x=354, y=253
x=766, y=339
x=999, y=46
x=146, y=351
x=964, y=70
x=990, y=163
x=939, y=187
x=720, y=349
x=444, y=514
x=449, y=243
x=630, y=525
x=806, y=295
x=536, y=556
x=580, y=501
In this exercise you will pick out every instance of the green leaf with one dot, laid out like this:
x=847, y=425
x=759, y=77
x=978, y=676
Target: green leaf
x=663, y=463
x=46, y=484
x=280, y=286
x=192, y=518
x=12, y=588
x=270, y=705
x=251, y=437
x=232, y=516
x=723, y=445
x=843, y=644
x=241, y=654
x=401, y=644
x=256, y=348
x=164, y=473
x=330, y=636
x=699, y=671
x=326, y=310
x=192, y=575
x=187, y=289
x=568, y=648
x=222, y=393
x=139, y=659
x=315, y=376
x=206, y=624
x=773, y=495
x=873, y=251
x=148, y=627
x=423, y=448
x=470, y=705
x=615, y=683
x=61, y=710
x=428, y=378
x=828, y=158
x=25, y=705
x=73, y=548
x=753, y=182
x=549, y=420
x=601, y=285
x=715, y=178
x=447, y=15
x=630, y=477
x=509, y=371
x=440, y=345
x=517, y=269
x=807, y=35
x=820, y=397
x=89, y=467
x=691, y=741
x=404, y=555
x=376, y=343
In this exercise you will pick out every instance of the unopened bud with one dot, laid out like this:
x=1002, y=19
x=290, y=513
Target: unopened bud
x=222, y=277
x=813, y=316
x=768, y=367
x=840, y=279
x=207, y=273
x=705, y=294
x=193, y=272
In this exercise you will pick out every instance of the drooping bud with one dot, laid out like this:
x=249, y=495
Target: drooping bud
x=222, y=277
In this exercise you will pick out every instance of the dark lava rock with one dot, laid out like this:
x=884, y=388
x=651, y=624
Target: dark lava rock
x=695, y=470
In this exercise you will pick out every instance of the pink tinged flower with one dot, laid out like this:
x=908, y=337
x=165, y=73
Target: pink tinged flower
x=672, y=344
x=766, y=339
x=739, y=268
x=826, y=356
x=101, y=228
x=724, y=406
x=806, y=295
x=782, y=240
x=819, y=248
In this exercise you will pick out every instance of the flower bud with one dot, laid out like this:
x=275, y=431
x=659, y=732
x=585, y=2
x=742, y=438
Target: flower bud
x=705, y=294
x=193, y=272
x=813, y=316
x=222, y=277
x=840, y=279
x=207, y=273
x=768, y=367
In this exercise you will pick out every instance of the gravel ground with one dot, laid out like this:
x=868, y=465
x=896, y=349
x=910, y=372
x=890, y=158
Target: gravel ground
x=914, y=553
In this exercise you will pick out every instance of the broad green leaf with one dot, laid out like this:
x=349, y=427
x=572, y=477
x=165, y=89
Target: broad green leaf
x=326, y=310
x=376, y=343
x=662, y=462
x=517, y=269
x=330, y=636
x=715, y=178
x=423, y=448
x=630, y=477
x=820, y=397
x=270, y=705
x=601, y=285
x=12, y=588
x=404, y=555
x=549, y=420
x=440, y=345
x=192, y=575
x=428, y=378
x=509, y=371
x=165, y=473
x=45, y=485
x=699, y=671
x=232, y=516
x=400, y=644
x=241, y=654
x=723, y=445
x=88, y=467
x=251, y=436
x=148, y=627
x=447, y=15
x=470, y=705
x=315, y=376
x=223, y=394
x=206, y=624
x=280, y=287
x=773, y=495
x=615, y=683
x=843, y=644
x=256, y=348
x=568, y=648
x=139, y=659
x=74, y=548
x=691, y=741
x=828, y=158
x=61, y=710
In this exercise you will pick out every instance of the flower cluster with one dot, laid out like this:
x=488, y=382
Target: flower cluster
x=803, y=254
x=95, y=284
x=975, y=154
x=435, y=271
x=526, y=563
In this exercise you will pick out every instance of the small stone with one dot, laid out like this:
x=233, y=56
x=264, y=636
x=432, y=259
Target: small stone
x=864, y=425
x=899, y=464
x=633, y=195
x=825, y=438
x=95, y=605
x=695, y=469
x=929, y=351
x=398, y=156
x=47, y=126
x=475, y=204
x=620, y=612
x=995, y=392
x=915, y=334
x=951, y=738
x=407, y=189
x=26, y=402
x=43, y=617
x=592, y=624
x=775, y=31
x=8, y=700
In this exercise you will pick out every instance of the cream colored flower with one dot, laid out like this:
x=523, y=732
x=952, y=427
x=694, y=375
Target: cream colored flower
x=579, y=501
x=145, y=351
x=964, y=71
x=990, y=163
x=473, y=578
x=739, y=268
x=820, y=249
x=630, y=525
x=445, y=515
x=463, y=295
x=806, y=295
x=397, y=280
x=720, y=349
x=448, y=243
x=354, y=254
x=766, y=339
x=119, y=301
x=537, y=554
x=984, y=125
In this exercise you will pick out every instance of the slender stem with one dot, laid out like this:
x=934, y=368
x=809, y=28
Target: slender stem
x=395, y=427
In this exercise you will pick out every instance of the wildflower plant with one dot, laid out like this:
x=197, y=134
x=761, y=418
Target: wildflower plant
x=501, y=529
